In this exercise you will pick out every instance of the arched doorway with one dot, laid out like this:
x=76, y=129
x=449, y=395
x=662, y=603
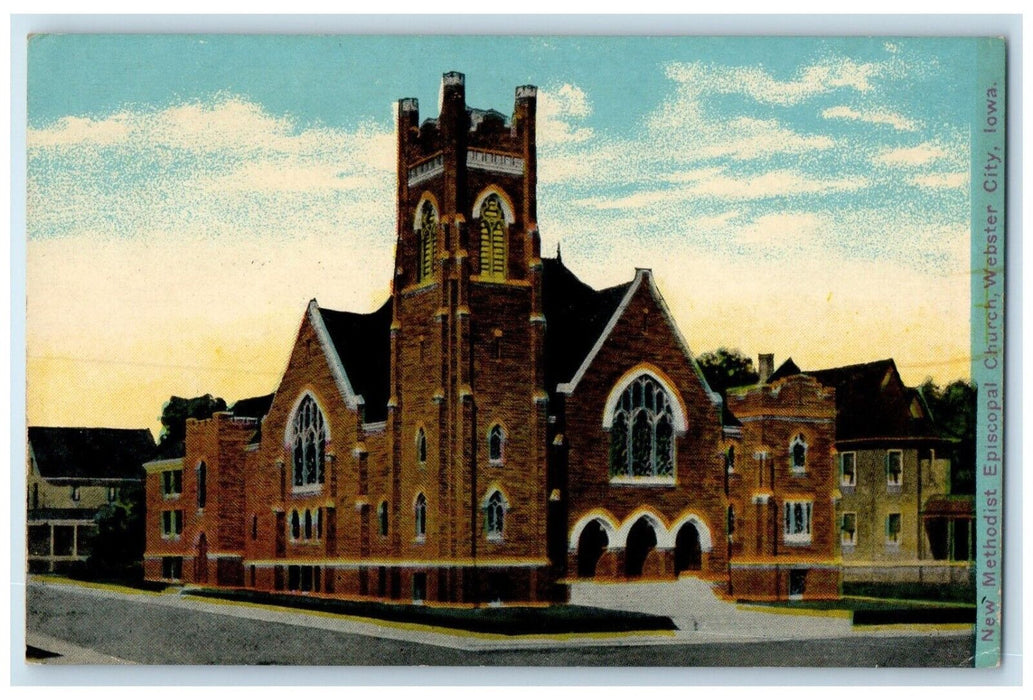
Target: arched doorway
x=202, y=559
x=641, y=541
x=688, y=555
x=590, y=547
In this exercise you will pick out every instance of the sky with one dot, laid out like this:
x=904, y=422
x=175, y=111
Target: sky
x=187, y=196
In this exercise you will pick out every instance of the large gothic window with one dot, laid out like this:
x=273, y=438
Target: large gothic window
x=496, y=440
x=426, y=237
x=642, y=432
x=308, y=444
x=493, y=238
x=495, y=516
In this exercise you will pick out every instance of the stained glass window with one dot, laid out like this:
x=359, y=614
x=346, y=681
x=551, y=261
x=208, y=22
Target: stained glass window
x=642, y=432
x=309, y=444
x=427, y=238
x=493, y=238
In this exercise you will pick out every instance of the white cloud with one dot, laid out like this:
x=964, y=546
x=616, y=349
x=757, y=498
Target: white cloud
x=873, y=116
x=559, y=110
x=941, y=180
x=910, y=156
x=762, y=86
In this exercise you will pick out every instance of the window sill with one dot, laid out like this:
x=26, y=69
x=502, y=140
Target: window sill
x=893, y=546
x=306, y=490
x=661, y=481
x=847, y=489
x=797, y=542
x=848, y=547
x=495, y=462
x=798, y=472
x=893, y=488
x=494, y=539
x=171, y=496
x=420, y=539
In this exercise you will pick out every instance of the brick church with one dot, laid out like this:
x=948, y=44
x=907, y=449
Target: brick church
x=497, y=428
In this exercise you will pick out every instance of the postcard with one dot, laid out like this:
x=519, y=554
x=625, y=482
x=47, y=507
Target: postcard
x=515, y=350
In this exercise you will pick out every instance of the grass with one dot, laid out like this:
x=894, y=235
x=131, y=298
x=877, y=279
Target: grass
x=886, y=611
x=510, y=620
x=913, y=591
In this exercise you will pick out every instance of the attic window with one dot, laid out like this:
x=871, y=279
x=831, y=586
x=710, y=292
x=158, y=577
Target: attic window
x=916, y=409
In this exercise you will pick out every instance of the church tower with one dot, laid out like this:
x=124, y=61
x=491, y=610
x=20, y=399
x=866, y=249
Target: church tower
x=467, y=414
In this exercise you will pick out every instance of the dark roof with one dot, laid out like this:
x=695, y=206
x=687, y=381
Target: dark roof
x=91, y=453
x=254, y=407
x=786, y=369
x=575, y=317
x=363, y=342
x=871, y=400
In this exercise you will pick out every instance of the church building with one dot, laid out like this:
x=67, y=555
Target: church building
x=497, y=428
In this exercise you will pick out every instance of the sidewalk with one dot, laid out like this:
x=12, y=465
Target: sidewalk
x=693, y=629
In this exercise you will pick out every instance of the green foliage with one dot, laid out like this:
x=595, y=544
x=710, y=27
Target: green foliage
x=953, y=409
x=119, y=542
x=176, y=410
x=725, y=369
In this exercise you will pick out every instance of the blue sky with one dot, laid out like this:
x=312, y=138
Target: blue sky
x=807, y=197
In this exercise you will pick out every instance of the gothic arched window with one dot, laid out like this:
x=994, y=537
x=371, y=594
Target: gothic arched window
x=798, y=453
x=495, y=516
x=382, y=517
x=295, y=525
x=421, y=447
x=496, y=440
x=308, y=444
x=642, y=432
x=427, y=239
x=493, y=238
x=420, y=512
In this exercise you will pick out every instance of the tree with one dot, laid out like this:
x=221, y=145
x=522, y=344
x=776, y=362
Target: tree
x=174, y=416
x=119, y=542
x=953, y=409
x=725, y=369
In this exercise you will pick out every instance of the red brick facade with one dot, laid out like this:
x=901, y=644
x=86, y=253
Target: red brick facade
x=437, y=451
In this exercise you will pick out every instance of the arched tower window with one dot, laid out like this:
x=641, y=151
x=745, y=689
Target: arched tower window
x=202, y=484
x=308, y=444
x=496, y=442
x=642, y=432
x=493, y=238
x=382, y=517
x=420, y=512
x=798, y=453
x=495, y=516
x=426, y=241
x=421, y=447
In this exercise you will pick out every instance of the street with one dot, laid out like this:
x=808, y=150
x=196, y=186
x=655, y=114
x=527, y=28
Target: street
x=170, y=629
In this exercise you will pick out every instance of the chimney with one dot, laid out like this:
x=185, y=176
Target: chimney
x=765, y=366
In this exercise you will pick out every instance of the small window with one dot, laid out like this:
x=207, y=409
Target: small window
x=797, y=522
x=308, y=524
x=496, y=441
x=295, y=525
x=254, y=527
x=76, y=494
x=849, y=529
x=172, y=482
x=848, y=468
x=893, y=529
x=419, y=587
x=731, y=522
x=171, y=523
x=172, y=568
x=382, y=518
x=420, y=513
x=730, y=460
x=202, y=484
x=495, y=516
x=421, y=447
x=894, y=467
x=798, y=453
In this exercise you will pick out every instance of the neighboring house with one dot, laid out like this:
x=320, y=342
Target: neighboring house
x=898, y=518
x=73, y=472
x=494, y=429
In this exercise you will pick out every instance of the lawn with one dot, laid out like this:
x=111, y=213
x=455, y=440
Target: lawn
x=887, y=611
x=508, y=620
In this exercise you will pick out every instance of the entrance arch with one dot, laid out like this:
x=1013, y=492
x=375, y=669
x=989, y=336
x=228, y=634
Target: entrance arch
x=641, y=541
x=590, y=547
x=688, y=553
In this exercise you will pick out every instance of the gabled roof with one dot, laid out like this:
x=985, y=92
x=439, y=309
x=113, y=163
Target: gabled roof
x=576, y=316
x=871, y=400
x=91, y=453
x=254, y=407
x=362, y=343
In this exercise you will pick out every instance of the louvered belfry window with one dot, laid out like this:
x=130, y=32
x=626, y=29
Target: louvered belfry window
x=427, y=237
x=493, y=238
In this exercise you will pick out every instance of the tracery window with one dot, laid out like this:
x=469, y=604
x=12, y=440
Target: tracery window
x=642, y=432
x=420, y=512
x=493, y=238
x=496, y=439
x=495, y=516
x=427, y=238
x=308, y=440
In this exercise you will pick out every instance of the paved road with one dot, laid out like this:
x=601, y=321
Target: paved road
x=136, y=629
